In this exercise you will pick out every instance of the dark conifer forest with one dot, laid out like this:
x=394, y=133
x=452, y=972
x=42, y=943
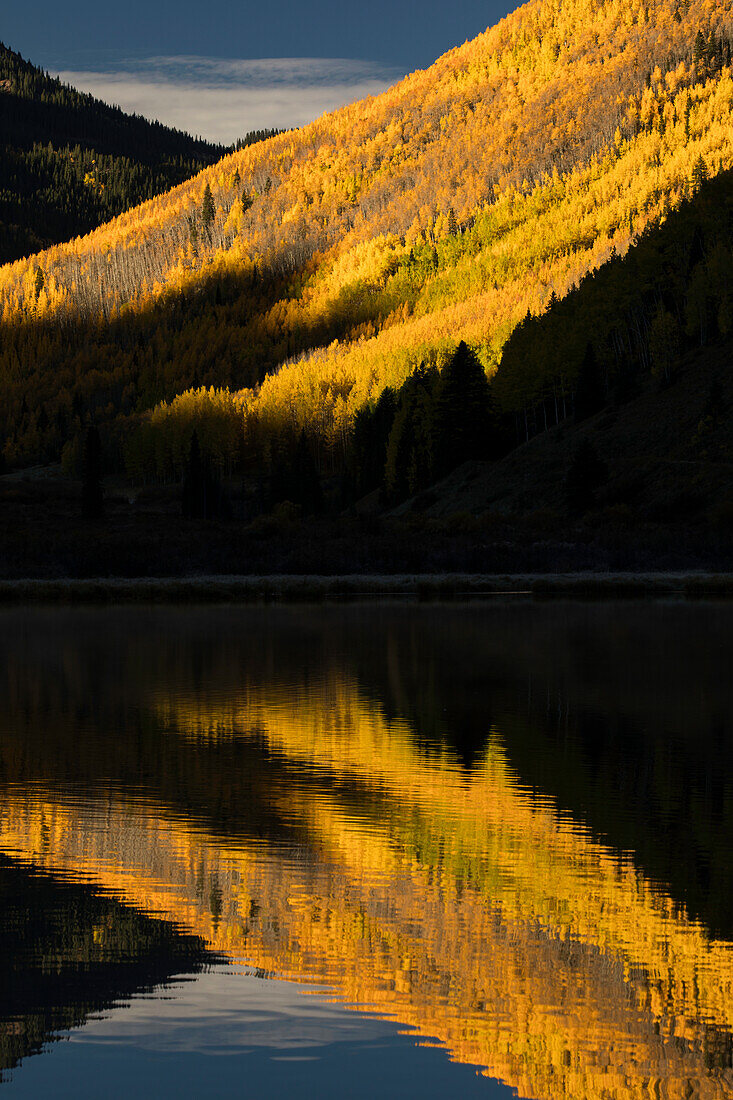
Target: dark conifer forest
x=69, y=162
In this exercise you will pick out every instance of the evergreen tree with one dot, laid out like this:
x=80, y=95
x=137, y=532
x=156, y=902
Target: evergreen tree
x=368, y=448
x=711, y=51
x=409, y=459
x=700, y=49
x=208, y=211
x=699, y=172
x=462, y=422
x=92, y=494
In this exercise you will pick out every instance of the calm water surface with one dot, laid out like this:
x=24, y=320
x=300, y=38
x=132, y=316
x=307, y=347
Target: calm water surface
x=386, y=850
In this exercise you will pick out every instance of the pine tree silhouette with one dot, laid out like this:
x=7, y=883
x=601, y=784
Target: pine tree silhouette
x=462, y=412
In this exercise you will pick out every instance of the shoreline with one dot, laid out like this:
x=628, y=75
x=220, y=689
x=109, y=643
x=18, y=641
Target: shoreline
x=307, y=588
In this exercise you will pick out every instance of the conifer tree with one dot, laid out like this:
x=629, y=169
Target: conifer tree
x=711, y=51
x=462, y=412
x=409, y=465
x=208, y=211
x=368, y=449
x=699, y=172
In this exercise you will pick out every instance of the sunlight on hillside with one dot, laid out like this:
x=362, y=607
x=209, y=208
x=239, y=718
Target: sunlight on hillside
x=340, y=255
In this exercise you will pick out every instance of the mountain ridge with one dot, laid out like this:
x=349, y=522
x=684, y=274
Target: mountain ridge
x=70, y=162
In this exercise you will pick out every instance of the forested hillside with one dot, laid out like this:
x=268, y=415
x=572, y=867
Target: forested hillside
x=68, y=162
x=309, y=272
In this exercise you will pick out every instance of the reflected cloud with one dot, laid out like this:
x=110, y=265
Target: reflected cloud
x=223, y=99
x=248, y=1015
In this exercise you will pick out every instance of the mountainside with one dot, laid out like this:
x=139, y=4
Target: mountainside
x=69, y=162
x=316, y=268
x=667, y=459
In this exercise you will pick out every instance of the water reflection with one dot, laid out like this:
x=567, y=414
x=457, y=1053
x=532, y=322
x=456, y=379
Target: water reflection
x=459, y=819
x=67, y=954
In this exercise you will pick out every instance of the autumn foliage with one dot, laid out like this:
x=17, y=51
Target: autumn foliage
x=308, y=272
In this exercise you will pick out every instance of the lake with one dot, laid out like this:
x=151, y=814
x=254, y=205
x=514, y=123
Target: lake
x=390, y=849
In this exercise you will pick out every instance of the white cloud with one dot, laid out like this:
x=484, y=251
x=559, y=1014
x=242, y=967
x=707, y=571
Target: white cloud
x=221, y=99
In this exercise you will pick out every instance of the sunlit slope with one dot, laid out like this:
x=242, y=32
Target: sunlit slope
x=470, y=910
x=442, y=209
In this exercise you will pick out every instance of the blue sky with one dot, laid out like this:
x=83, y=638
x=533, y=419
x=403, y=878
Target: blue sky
x=190, y=63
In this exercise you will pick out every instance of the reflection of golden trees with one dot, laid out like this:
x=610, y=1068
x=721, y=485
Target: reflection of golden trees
x=443, y=209
x=458, y=904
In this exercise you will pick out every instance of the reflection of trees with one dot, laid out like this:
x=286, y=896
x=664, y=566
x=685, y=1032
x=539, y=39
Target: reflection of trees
x=620, y=712
x=287, y=786
x=66, y=953
x=467, y=910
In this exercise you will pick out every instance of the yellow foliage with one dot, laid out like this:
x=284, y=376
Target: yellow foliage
x=544, y=136
x=456, y=903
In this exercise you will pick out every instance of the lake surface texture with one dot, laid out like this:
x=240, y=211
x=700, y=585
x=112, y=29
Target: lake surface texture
x=367, y=851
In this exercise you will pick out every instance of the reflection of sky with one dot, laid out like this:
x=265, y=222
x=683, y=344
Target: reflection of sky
x=222, y=99
x=228, y=1033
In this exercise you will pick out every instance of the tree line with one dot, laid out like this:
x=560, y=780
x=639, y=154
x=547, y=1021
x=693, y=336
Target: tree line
x=633, y=318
